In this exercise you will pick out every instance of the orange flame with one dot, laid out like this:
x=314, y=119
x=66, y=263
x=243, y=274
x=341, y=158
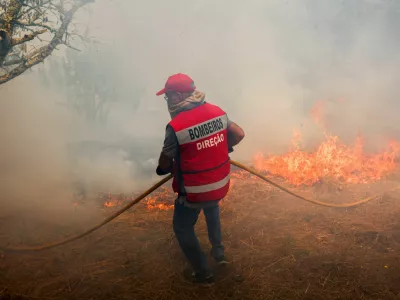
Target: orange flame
x=163, y=195
x=151, y=204
x=160, y=200
x=112, y=203
x=331, y=159
x=111, y=200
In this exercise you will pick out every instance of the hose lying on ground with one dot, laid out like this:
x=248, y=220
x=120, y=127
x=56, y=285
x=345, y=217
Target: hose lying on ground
x=343, y=205
x=160, y=183
x=89, y=231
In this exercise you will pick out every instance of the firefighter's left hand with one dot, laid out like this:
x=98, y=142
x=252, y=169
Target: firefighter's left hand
x=161, y=172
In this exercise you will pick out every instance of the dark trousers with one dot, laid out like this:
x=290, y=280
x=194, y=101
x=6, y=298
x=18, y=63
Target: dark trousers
x=184, y=220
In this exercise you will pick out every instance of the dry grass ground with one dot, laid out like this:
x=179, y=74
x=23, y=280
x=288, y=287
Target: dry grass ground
x=281, y=248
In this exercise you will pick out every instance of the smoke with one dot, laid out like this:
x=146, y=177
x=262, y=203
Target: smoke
x=265, y=62
x=33, y=158
x=268, y=62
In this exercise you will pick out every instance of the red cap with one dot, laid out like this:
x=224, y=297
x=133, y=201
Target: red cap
x=179, y=83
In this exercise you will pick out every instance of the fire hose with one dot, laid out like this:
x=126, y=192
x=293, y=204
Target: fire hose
x=164, y=180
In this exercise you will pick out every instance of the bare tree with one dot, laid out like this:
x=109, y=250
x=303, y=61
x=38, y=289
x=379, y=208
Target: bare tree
x=23, y=21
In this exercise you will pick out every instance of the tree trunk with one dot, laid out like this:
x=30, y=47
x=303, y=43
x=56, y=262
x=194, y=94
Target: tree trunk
x=7, y=28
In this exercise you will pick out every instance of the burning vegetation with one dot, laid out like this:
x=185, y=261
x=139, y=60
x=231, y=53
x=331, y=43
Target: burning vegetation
x=160, y=199
x=332, y=159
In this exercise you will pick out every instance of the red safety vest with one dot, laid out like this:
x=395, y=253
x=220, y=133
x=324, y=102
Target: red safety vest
x=203, y=164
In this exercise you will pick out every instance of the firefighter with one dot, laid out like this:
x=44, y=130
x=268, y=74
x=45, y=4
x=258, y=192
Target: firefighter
x=196, y=149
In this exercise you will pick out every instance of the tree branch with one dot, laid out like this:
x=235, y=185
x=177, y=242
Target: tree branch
x=13, y=61
x=33, y=24
x=7, y=28
x=43, y=52
x=26, y=37
x=36, y=8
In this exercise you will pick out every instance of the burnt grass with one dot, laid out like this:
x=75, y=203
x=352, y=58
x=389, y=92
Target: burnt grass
x=280, y=247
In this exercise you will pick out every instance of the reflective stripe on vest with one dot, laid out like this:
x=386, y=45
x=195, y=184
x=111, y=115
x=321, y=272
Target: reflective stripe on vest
x=207, y=187
x=203, y=130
